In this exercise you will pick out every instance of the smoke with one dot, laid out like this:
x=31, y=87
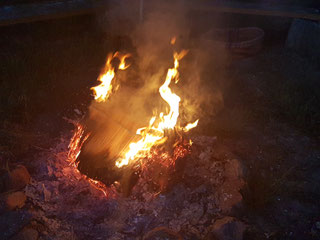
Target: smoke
x=113, y=123
x=152, y=55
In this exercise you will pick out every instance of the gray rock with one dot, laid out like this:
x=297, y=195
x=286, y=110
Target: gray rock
x=15, y=200
x=230, y=197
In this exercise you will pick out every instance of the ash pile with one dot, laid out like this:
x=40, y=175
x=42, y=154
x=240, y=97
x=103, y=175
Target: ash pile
x=199, y=204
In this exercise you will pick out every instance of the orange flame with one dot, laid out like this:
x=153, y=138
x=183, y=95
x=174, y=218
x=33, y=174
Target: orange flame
x=154, y=134
x=122, y=65
x=190, y=126
x=173, y=40
x=103, y=90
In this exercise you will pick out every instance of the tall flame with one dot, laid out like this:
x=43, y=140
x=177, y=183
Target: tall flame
x=154, y=133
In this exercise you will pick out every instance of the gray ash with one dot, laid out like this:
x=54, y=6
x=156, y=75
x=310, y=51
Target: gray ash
x=67, y=205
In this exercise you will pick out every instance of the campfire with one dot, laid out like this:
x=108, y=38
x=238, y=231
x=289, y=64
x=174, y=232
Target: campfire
x=126, y=153
x=127, y=173
x=175, y=137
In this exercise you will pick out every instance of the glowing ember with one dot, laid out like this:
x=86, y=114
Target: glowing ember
x=74, y=150
x=76, y=144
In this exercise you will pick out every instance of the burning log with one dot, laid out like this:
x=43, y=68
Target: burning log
x=112, y=146
x=109, y=131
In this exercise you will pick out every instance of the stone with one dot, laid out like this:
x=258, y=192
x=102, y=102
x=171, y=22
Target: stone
x=15, y=200
x=26, y=234
x=230, y=197
x=19, y=178
x=234, y=169
x=227, y=228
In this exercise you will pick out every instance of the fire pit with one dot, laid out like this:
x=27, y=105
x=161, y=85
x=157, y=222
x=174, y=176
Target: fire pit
x=116, y=179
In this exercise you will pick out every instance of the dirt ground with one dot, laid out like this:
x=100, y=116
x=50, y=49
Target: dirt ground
x=270, y=117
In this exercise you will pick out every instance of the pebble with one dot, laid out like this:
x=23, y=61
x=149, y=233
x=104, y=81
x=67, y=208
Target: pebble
x=15, y=200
